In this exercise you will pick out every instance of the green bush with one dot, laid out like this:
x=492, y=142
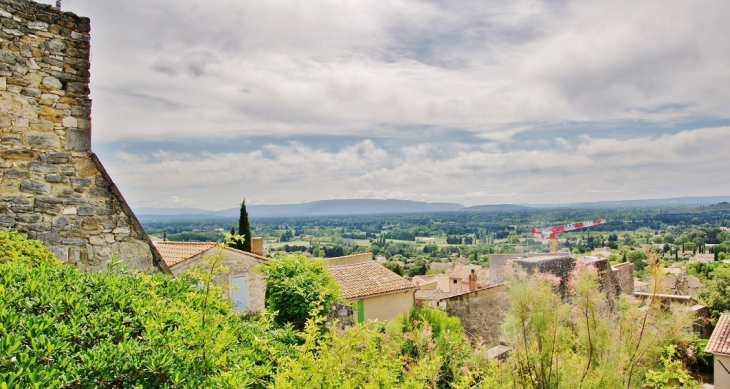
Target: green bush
x=385, y=355
x=15, y=248
x=61, y=327
x=296, y=286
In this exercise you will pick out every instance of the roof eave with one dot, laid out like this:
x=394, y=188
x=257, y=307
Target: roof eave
x=379, y=294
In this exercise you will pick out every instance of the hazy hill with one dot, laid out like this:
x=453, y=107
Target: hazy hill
x=316, y=208
x=671, y=202
x=370, y=207
x=495, y=208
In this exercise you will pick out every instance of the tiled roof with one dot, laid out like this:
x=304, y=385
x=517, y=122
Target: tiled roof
x=368, y=279
x=719, y=342
x=424, y=279
x=175, y=252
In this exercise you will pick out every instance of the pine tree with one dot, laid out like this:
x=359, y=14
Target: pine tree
x=244, y=229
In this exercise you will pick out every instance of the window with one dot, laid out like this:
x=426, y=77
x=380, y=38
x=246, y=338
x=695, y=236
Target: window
x=239, y=294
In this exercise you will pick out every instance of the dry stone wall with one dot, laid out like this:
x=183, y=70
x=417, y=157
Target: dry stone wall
x=52, y=187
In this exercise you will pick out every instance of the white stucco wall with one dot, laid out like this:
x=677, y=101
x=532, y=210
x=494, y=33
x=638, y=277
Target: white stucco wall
x=388, y=306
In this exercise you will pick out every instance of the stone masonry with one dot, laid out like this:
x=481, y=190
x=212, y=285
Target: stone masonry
x=52, y=187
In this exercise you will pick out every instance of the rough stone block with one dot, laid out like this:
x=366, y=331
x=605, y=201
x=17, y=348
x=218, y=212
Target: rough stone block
x=78, y=140
x=101, y=182
x=56, y=45
x=85, y=211
x=43, y=139
x=11, y=140
x=42, y=168
x=19, y=155
x=61, y=252
x=74, y=241
x=34, y=187
x=41, y=125
x=70, y=122
x=39, y=227
x=99, y=192
x=7, y=221
x=20, y=208
x=28, y=218
x=80, y=182
x=47, y=237
x=13, y=173
x=77, y=255
x=96, y=240
x=55, y=157
x=54, y=178
x=36, y=25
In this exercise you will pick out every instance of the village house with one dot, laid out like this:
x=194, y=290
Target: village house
x=719, y=347
x=456, y=281
x=247, y=286
x=379, y=294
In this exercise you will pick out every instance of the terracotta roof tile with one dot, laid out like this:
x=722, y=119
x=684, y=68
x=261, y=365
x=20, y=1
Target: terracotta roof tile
x=719, y=342
x=368, y=279
x=175, y=252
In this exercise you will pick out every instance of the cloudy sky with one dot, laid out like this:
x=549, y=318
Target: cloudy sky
x=200, y=103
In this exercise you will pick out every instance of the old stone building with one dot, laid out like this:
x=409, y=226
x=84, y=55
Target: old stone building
x=247, y=286
x=52, y=187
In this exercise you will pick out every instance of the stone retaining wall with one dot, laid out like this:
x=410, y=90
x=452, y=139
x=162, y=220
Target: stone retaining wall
x=52, y=187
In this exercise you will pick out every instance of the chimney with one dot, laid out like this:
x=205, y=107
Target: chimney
x=257, y=246
x=164, y=236
x=472, y=280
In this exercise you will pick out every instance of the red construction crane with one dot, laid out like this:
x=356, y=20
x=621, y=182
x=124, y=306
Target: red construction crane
x=553, y=231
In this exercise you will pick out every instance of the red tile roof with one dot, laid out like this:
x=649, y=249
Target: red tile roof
x=719, y=342
x=175, y=252
x=368, y=279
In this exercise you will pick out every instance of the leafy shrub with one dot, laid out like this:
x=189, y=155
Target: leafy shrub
x=61, y=327
x=384, y=355
x=438, y=319
x=296, y=286
x=15, y=248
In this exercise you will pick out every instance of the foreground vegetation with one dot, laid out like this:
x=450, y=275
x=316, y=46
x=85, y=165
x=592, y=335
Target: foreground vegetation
x=62, y=327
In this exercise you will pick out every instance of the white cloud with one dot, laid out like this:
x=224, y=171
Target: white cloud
x=594, y=169
x=232, y=68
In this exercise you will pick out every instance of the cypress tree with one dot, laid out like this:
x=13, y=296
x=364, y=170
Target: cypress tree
x=244, y=228
x=234, y=242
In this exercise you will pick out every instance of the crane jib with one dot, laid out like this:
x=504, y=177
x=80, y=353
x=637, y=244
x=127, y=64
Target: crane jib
x=555, y=230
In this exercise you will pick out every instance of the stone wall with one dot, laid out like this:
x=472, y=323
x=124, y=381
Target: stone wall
x=625, y=274
x=52, y=188
x=497, y=263
x=341, y=315
x=481, y=312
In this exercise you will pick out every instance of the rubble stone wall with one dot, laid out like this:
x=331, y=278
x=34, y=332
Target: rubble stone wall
x=52, y=187
x=481, y=312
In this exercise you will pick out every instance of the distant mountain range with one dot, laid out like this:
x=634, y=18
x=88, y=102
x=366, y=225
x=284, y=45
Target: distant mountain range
x=316, y=208
x=371, y=207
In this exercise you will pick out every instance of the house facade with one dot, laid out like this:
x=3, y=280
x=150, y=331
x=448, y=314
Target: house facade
x=247, y=286
x=378, y=293
x=719, y=347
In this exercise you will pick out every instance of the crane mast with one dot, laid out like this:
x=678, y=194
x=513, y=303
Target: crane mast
x=553, y=231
